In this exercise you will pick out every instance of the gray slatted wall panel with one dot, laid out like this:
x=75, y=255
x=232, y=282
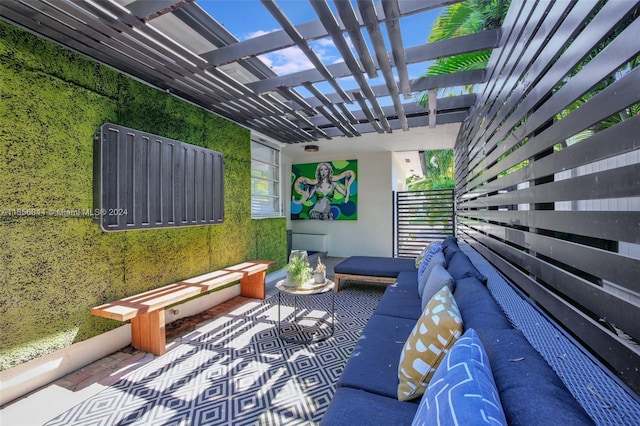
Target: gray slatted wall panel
x=422, y=217
x=148, y=181
x=550, y=192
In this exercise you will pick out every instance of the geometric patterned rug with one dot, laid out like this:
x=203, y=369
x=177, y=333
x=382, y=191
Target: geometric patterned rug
x=235, y=370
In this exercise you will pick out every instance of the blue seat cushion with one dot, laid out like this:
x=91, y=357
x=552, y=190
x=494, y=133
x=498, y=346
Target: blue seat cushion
x=478, y=308
x=374, y=266
x=401, y=299
x=530, y=391
x=355, y=407
x=460, y=266
x=373, y=364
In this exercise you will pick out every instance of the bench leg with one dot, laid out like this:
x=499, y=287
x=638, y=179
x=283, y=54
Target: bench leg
x=147, y=332
x=252, y=285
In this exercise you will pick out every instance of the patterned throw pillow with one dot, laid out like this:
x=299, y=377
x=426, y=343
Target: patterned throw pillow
x=431, y=250
x=462, y=390
x=435, y=332
x=421, y=256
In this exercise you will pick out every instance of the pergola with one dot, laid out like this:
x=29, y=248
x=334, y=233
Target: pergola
x=177, y=46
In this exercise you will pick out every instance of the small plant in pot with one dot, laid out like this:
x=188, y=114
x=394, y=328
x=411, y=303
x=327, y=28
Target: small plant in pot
x=320, y=273
x=298, y=271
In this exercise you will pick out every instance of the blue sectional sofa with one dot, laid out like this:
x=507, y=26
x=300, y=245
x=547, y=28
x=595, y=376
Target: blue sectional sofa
x=530, y=393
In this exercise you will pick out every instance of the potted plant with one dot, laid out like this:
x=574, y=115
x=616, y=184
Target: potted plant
x=298, y=271
x=320, y=273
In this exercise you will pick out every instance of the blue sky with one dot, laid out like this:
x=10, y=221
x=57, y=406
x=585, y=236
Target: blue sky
x=248, y=18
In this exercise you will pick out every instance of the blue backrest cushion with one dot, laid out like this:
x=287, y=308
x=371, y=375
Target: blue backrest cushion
x=530, y=391
x=477, y=307
x=449, y=247
x=462, y=390
x=436, y=259
x=459, y=266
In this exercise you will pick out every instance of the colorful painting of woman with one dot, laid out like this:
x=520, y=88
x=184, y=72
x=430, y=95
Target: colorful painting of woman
x=328, y=194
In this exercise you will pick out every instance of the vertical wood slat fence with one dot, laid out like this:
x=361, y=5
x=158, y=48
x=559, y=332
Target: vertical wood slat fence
x=420, y=218
x=548, y=169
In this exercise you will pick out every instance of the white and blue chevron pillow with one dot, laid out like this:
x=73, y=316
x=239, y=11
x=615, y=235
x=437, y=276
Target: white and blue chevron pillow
x=462, y=390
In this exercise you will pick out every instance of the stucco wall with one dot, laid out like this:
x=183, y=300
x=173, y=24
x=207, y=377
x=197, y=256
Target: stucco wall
x=371, y=234
x=55, y=267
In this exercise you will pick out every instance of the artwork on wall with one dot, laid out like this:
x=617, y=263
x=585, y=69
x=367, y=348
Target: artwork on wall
x=325, y=191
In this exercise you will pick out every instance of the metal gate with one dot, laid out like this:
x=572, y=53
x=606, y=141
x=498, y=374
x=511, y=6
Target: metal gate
x=421, y=217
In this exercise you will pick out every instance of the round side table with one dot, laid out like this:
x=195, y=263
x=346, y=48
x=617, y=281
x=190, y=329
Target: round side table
x=311, y=290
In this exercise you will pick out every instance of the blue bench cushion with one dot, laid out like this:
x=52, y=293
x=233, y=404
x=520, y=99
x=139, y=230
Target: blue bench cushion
x=530, y=391
x=401, y=299
x=478, y=308
x=374, y=266
x=355, y=407
x=373, y=364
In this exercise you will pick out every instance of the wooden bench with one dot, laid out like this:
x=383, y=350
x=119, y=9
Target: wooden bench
x=146, y=310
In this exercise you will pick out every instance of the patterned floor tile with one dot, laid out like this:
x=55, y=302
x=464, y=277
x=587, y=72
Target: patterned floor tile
x=235, y=371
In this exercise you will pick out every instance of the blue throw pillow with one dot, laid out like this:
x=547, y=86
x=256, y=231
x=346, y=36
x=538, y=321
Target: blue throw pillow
x=437, y=259
x=431, y=251
x=438, y=278
x=462, y=390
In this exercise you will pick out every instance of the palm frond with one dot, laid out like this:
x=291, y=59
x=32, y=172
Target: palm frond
x=449, y=22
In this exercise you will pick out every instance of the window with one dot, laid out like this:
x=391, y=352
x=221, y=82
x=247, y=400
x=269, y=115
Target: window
x=265, y=181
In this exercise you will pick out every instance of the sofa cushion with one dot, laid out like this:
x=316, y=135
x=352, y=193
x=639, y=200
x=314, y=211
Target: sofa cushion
x=449, y=247
x=432, y=251
x=373, y=364
x=478, y=308
x=434, y=333
x=462, y=390
x=459, y=266
x=429, y=248
x=530, y=391
x=438, y=278
x=401, y=299
x=356, y=407
x=436, y=259
x=374, y=266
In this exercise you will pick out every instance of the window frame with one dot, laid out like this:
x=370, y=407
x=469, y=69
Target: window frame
x=278, y=182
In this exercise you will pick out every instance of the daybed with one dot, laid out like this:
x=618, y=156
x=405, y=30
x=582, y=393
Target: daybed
x=517, y=385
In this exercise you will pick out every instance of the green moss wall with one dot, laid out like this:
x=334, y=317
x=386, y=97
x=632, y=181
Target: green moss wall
x=53, y=269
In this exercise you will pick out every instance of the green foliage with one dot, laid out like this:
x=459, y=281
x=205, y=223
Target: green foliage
x=468, y=17
x=298, y=270
x=267, y=236
x=439, y=171
x=56, y=267
x=464, y=18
